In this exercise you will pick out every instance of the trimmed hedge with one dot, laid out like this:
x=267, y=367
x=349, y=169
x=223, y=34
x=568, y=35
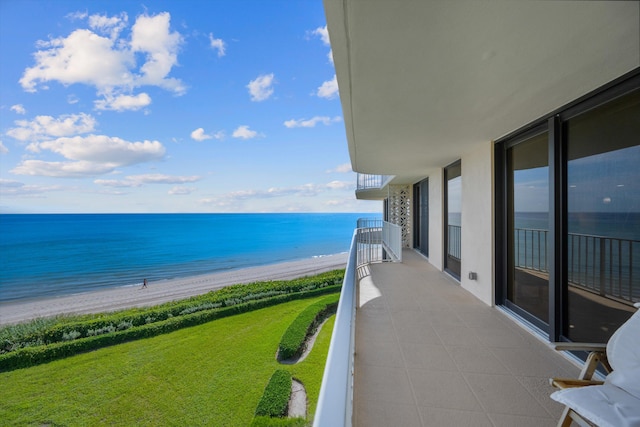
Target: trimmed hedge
x=33, y=355
x=293, y=341
x=279, y=422
x=275, y=399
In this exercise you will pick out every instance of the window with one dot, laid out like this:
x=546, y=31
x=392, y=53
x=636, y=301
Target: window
x=421, y=216
x=568, y=216
x=453, y=218
x=603, y=218
x=528, y=226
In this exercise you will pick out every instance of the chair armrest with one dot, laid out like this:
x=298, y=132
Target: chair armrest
x=579, y=346
x=563, y=383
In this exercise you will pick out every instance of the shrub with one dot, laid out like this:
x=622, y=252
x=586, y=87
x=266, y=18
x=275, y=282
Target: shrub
x=293, y=341
x=278, y=422
x=275, y=399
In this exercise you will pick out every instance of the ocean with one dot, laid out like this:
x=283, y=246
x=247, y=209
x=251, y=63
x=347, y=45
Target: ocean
x=46, y=255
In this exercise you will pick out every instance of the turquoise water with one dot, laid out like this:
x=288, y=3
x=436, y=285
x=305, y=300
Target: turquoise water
x=50, y=255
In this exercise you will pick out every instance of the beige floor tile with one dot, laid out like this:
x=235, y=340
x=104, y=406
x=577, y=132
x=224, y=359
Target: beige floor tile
x=411, y=332
x=427, y=356
x=541, y=390
x=383, y=384
x=529, y=362
x=440, y=417
x=378, y=332
x=440, y=389
x=503, y=394
x=382, y=414
x=457, y=334
x=429, y=353
x=476, y=359
x=500, y=337
x=378, y=353
x=506, y=420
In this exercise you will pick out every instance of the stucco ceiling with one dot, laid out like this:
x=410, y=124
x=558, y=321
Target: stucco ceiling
x=422, y=82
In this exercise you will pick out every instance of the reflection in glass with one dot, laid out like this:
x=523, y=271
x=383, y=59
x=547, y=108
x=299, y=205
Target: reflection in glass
x=603, y=224
x=453, y=218
x=528, y=226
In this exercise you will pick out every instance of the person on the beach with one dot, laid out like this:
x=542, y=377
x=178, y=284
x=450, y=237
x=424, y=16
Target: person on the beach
x=144, y=283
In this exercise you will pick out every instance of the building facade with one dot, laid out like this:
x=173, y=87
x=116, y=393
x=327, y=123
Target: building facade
x=510, y=131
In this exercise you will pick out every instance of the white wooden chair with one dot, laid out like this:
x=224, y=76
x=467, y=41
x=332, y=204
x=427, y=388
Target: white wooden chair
x=614, y=402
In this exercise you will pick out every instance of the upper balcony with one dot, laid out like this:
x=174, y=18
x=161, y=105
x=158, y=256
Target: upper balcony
x=372, y=187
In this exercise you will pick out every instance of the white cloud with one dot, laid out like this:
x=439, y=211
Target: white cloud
x=109, y=25
x=72, y=99
x=199, y=135
x=47, y=126
x=311, y=122
x=18, y=109
x=11, y=188
x=341, y=185
x=77, y=15
x=181, y=191
x=89, y=156
x=82, y=57
x=109, y=63
x=139, y=180
x=151, y=35
x=343, y=168
x=217, y=44
x=261, y=88
x=323, y=33
x=306, y=190
x=329, y=89
x=103, y=149
x=62, y=169
x=3, y=148
x=244, y=132
x=123, y=102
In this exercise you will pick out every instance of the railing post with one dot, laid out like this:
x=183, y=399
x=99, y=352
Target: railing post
x=602, y=266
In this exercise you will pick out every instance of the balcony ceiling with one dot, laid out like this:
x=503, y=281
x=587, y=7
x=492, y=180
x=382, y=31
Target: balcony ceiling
x=422, y=82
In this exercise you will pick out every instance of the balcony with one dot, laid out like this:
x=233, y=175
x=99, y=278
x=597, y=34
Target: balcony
x=421, y=351
x=372, y=187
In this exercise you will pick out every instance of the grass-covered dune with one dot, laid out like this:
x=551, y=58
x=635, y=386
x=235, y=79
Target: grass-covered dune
x=213, y=374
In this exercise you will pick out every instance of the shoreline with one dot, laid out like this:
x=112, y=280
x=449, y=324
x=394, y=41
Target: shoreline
x=162, y=291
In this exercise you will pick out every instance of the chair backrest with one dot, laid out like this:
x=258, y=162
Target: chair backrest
x=623, y=353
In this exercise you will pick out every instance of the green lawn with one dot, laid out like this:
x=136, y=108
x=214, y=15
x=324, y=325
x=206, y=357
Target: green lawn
x=213, y=374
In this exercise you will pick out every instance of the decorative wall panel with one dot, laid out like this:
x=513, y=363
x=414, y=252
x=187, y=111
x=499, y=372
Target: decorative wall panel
x=399, y=213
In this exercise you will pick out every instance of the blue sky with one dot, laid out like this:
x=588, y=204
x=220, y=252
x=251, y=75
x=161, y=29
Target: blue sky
x=170, y=106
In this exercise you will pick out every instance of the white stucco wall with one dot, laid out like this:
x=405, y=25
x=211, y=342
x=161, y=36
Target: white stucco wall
x=477, y=222
x=436, y=218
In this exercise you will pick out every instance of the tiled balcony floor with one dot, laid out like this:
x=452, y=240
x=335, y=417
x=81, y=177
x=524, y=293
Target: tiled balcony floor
x=428, y=353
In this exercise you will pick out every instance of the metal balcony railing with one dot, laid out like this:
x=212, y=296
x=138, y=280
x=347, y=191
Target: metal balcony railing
x=335, y=403
x=378, y=241
x=454, y=241
x=604, y=265
x=372, y=182
x=374, y=240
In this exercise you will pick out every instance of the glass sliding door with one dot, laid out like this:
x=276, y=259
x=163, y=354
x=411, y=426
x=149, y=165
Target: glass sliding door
x=568, y=216
x=453, y=219
x=603, y=218
x=421, y=218
x=527, y=227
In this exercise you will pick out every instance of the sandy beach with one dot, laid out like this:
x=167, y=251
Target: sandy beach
x=163, y=291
